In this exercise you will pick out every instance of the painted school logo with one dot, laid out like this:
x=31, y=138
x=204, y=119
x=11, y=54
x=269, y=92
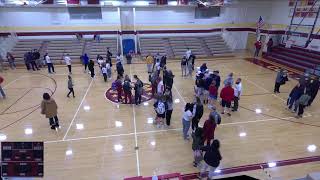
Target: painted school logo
x=112, y=95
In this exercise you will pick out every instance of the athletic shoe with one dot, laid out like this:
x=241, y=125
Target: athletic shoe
x=53, y=127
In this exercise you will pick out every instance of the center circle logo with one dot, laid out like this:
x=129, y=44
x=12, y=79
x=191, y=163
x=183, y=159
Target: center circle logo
x=112, y=95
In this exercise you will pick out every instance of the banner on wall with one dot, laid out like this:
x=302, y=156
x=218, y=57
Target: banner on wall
x=73, y=1
x=210, y=3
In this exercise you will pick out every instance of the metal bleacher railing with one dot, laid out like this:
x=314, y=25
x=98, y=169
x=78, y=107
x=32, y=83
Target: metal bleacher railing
x=297, y=31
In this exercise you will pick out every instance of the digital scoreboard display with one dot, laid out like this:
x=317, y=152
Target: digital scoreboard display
x=22, y=159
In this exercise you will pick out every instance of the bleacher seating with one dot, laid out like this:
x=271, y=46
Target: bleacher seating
x=24, y=46
x=217, y=45
x=297, y=58
x=57, y=48
x=94, y=48
x=176, y=47
x=152, y=46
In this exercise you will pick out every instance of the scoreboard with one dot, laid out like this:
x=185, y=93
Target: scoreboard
x=22, y=159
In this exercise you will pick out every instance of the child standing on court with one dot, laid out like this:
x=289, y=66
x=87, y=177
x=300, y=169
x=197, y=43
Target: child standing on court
x=197, y=143
x=160, y=107
x=70, y=86
x=104, y=72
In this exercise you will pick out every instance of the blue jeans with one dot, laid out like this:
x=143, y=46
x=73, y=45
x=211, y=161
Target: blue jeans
x=185, y=129
x=2, y=92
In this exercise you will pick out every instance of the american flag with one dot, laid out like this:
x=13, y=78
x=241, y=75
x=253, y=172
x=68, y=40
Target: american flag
x=260, y=22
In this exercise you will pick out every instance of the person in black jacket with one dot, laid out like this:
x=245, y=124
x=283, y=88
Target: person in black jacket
x=313, y=89
x=91, y=68
x=32, y=57
x=109, y=55
x=169, y=81
x=211, y=158
x=37, y=55
x=163, y=61
x=198, y=112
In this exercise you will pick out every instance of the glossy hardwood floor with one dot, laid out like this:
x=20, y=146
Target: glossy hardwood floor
x=105, y=148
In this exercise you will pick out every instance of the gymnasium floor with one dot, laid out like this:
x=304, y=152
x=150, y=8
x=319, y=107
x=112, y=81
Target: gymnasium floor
x=105, y=147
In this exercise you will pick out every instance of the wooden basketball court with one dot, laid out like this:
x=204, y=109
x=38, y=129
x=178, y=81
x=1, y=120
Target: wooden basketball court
x=100, y=139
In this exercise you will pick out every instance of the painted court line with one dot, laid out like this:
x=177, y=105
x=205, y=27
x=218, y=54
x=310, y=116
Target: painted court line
x=166, y=130
x=75, y=114
x=11, y=82
x=135, y=133
x=258, y=86
x=182, y=98
x=259, y=166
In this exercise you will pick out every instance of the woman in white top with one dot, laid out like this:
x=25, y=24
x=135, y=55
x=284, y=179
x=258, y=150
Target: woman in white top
x=186, y=120
x=49, y=63
x=67, y=60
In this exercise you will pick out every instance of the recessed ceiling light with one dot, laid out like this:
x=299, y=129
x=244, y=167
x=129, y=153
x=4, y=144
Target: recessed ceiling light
x=145, y=103
x=177, y=101
x=153, y=143
x=272, y=164
x=69, y=152
x=312, y=148
x=118, y=124
x=86, y=108
x=258, y=111
x=150, y=120
x=3, y=137
x=118, y=147
x=28, y=131
x=79, y=126
x=217, y=171
x=243, y=134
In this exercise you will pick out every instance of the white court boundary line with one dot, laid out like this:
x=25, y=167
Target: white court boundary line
x=135, y=132
x=76, y=113
x=166, y=130
x=258, y=86
x=182, y=98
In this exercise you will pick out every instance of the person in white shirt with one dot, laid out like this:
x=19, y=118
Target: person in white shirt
x=119, y=58
x=160, y=87
x=67, y=59
x=186, y=120
x=188, y=54
x=104, y=71
x=49, y=63
x=237, y=94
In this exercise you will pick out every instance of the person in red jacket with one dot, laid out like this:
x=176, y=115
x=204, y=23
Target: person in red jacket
x=227, y=96
x=1, y=90
x=257, y=45
x=208, y=129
